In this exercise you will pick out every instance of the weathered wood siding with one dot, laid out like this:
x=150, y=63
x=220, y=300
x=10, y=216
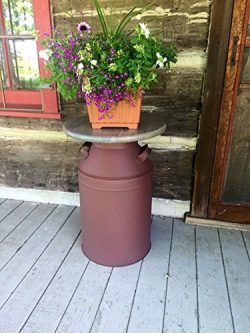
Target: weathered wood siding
x=33, y=163
x=39, y=164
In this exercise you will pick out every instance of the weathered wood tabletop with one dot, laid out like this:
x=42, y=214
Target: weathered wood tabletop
x=81, y=129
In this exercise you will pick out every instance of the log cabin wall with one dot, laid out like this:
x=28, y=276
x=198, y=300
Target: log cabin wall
x=35, y=154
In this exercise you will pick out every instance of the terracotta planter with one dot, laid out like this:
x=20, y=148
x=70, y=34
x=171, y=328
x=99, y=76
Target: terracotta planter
x=122, y=114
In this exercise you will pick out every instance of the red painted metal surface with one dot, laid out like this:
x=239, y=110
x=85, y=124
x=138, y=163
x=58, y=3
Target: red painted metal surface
x=115, y=183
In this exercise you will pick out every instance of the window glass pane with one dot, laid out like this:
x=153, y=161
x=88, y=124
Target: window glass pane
x=237, y=181
x=248, y=31
x=245, y=77
x=4, y=84
x=24, y=64
x=18, y=16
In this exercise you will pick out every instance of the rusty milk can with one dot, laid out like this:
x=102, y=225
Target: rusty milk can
x=115, y=182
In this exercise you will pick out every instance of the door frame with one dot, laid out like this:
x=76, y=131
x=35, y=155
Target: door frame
x=214, y=81
x=218, y=209
x=219, y=37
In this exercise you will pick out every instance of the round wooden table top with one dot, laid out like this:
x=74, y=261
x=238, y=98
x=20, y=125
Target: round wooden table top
x=149, y=127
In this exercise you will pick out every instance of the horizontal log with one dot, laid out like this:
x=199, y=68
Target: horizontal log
x=39, y=165
x=180, y=122
x=160, y=8
x=31, y=123
x=173, y=174
x=186, y=22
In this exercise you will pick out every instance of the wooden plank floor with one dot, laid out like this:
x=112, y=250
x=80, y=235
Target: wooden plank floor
x=194, y=279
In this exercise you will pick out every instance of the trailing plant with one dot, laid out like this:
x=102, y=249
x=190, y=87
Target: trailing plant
x=108, y=66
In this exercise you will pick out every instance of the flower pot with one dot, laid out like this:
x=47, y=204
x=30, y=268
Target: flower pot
x=122, y=114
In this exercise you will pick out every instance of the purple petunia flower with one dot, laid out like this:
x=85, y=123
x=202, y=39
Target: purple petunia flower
x=83, y=27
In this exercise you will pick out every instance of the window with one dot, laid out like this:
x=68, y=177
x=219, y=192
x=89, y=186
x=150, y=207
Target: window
x=21, y=93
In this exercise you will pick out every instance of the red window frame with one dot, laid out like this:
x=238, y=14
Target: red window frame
x=47, y=96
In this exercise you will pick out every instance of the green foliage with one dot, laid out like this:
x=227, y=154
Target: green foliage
x=127, y=18
x=113, y=60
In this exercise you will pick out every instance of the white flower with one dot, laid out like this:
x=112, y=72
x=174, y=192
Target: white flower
x=93, y=62
x=80, y=66
x=160, y=60
x=145, y=30
x=45, y=54
x=159, y=64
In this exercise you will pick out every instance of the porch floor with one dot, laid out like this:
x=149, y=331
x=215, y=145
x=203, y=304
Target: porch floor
x=194, y=279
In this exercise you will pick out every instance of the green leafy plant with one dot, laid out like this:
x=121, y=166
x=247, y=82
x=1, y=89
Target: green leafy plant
x=108, y=66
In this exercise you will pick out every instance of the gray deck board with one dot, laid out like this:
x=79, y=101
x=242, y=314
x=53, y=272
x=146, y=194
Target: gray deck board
x=82, y=310
x=117, y=300
x=181, y=303
x=16, y=217
x=53, y=303
x=25, y=297
x=246, y=238
x=7, y=207
x=2, y=200
x=148, y=308
x=13, y=273
x=194, y=279
x=237, y=270
x=14, y=242
x=214, y=307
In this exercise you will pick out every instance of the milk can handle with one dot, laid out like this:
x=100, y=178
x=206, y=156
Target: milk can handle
x=84, y=150
x=144, y=154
